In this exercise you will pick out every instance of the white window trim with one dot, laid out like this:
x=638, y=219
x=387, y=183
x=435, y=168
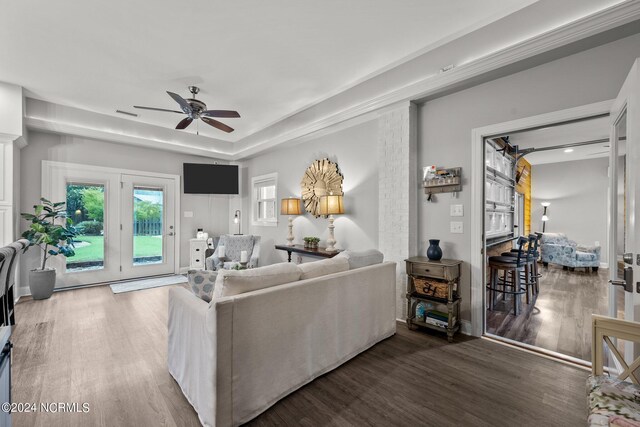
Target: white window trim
x=254, y=200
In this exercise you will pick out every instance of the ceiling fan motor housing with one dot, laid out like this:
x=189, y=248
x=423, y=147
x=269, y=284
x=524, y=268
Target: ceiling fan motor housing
x=197, y=107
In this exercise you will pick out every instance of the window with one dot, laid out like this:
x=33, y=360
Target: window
x=264, y=200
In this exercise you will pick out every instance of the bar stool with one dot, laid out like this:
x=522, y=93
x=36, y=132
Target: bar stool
x=530, y=274
x=510, y=265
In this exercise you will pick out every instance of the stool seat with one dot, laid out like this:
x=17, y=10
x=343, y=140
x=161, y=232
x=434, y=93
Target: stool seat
x=505, y=260
x=529, y=258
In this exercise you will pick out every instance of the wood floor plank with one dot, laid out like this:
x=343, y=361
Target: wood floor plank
x=89, y=345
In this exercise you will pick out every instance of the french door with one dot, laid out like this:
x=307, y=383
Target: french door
x=147, y=237
x=126, y=222
x=624, y=248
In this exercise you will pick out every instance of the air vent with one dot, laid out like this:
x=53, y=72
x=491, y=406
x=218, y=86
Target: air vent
x=126, y=113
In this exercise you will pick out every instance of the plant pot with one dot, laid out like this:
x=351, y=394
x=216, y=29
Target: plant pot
x=307, y=245
x=42, y=282
x=434, y=253
x=314, y=245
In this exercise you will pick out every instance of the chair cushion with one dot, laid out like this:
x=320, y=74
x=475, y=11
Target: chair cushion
x=235, y=282
x=309, y=270
x=233, y=245
x=202, y=283
x=612, y=402
x=358, y=259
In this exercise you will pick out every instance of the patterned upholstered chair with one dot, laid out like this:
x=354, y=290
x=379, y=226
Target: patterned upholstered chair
x=234, y=245
x=556, y=248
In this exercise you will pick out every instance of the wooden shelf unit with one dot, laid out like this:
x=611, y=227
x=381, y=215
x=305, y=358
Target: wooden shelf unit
x=446, y=271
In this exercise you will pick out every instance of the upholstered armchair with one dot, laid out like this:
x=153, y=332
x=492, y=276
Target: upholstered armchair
x=234, y=245
x=556, y=248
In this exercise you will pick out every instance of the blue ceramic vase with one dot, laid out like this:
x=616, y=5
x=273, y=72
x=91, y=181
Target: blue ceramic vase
x=434, y=253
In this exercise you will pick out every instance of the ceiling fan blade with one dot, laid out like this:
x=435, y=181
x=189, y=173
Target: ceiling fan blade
x=157, y=109
x=221, y=113
x=217, y=124
x=182, y=102
x=184, y=123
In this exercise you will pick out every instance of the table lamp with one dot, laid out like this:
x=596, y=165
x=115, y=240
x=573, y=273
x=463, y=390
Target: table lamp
x=290, y=206
x=331, y=205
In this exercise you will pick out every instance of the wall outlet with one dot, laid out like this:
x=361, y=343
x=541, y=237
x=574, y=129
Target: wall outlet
x=456, y=227
x=456, y=210
x=188, y=214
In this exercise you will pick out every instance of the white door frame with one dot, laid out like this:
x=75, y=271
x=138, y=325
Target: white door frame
x=478, y=136
x=47, y=189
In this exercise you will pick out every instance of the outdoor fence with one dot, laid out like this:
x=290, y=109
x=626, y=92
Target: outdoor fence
x=147, y=228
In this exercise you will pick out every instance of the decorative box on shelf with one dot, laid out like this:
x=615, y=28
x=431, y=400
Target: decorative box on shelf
x=432, y=290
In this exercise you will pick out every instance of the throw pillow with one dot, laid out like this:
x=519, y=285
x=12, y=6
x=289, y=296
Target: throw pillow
x=202, y=282
x=313, y=269
x=235, y=282
x=358, y=259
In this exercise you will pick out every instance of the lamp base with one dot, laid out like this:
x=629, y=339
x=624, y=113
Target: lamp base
x=331, y=241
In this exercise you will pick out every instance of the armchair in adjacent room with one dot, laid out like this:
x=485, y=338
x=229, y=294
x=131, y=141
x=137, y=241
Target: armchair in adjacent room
x=234, y=245
x=556, y=248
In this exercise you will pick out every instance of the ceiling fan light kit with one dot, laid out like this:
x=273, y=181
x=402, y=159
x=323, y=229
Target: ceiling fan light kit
x=196, y=109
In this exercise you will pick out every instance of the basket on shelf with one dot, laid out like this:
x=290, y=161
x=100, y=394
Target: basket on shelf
x=431, y=288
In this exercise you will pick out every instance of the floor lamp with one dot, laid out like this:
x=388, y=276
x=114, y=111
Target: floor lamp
x=545, y=218
x=331, y=205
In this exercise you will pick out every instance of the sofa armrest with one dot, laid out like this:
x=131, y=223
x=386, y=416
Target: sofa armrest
x=199, y=355
x=590, y=249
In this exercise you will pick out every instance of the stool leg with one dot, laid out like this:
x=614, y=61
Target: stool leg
x=516, y=296
x=494, y=284
x=527, y=280
x=535, y=265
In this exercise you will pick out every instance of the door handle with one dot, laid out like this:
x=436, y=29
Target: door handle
x=627, y=283
x=627, y=258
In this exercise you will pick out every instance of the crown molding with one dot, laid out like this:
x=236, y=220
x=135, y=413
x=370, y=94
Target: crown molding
x=590, y=25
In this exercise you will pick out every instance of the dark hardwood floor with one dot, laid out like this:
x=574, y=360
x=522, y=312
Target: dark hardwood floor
x=89, y=345
x=559, y=319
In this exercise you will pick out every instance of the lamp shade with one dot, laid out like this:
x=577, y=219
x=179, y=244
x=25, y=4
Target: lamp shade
x=331, y=204
x=290, y=206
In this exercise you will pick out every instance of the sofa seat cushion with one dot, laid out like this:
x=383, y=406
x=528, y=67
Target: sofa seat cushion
x=613, y=402
x=235, y=282
x=358, y=259
x=309, y=270
x=202, y=283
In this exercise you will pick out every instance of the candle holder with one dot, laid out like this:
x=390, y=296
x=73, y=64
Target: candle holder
x=244, y=264
x=222, y=260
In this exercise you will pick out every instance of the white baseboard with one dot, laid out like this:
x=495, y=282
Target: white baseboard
x=604, y=265
x=183, y=270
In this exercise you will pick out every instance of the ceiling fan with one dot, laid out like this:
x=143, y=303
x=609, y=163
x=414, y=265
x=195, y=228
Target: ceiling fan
x=196, y=109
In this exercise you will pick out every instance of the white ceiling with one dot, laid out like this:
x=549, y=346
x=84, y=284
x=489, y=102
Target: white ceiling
x=588, y=130
x=266, y=59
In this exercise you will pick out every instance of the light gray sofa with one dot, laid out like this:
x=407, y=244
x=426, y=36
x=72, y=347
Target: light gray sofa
x=240, y=354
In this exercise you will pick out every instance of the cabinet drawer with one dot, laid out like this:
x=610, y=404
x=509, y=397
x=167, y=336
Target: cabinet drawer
x=436, y=271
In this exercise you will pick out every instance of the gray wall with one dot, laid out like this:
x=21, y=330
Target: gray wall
x=445, y=125
x=578, y=193
x=355, y=151
x=209, y=212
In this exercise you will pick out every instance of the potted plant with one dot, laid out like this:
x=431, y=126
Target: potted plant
x=314, y=242
x=52, y=232
x=307, y=242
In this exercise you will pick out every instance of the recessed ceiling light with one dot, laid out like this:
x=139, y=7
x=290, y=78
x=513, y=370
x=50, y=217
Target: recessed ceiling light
x=568, y=150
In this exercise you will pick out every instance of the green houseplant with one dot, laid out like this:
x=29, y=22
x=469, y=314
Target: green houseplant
x=51, y=231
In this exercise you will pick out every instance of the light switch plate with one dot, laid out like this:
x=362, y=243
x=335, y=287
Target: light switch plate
x=188, y=214
x=456, y=210
x=456, y=227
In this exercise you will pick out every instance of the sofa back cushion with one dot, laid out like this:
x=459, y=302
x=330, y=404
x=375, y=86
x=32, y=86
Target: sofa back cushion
x=310, y=270
x=235, y=282
x=358, y=259
x=554, y=239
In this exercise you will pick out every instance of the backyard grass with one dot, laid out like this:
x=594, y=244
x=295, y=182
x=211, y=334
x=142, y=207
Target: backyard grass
x=144, y=246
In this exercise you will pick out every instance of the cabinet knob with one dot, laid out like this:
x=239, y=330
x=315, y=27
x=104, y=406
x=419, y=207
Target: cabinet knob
x=197, y=249
x=197, y=260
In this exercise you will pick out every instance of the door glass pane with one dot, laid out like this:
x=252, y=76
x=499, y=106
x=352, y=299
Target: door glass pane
x=85, y=208
x=147, y=225
x=621, y=151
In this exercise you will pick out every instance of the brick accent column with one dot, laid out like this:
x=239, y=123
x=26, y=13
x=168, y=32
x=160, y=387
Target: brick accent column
x=397, y=184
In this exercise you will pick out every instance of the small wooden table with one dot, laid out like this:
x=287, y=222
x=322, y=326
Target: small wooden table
x=300, y=249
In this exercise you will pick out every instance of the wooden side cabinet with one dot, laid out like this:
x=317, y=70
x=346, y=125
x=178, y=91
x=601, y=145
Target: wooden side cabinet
x=444, y=273
x=197, y=255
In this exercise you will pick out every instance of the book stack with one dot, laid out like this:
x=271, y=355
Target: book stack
x=437, y=318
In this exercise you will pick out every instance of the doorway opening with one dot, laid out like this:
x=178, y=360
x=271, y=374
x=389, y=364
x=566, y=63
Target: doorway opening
x=550, y=188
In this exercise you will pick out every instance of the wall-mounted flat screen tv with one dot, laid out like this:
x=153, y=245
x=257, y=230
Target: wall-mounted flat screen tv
x=202, y=178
